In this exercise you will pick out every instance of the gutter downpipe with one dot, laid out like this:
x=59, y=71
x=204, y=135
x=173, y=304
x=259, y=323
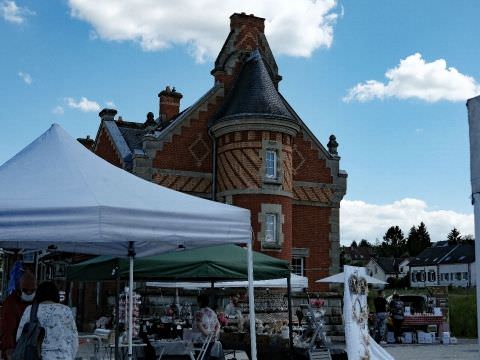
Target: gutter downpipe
x=214, y=164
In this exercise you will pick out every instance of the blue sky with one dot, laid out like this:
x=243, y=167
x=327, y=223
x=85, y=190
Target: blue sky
x=403, y=140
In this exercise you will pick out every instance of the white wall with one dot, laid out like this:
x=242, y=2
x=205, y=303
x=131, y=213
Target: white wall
x=424, y=279
x=375, y=271
x=441, y=278
x=458, y=275
x=403, y=268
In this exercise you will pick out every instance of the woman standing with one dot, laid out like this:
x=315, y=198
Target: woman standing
x=61, y=336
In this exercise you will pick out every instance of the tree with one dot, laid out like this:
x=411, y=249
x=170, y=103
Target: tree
x=468, y=239
x=454, y=236
x=364, y=243
x=418, y=239
x=394, y=243
x=353, y=244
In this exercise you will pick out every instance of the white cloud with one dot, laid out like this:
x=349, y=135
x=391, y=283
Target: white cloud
x=58, y=110
x=13, y=13
x=83, y=104
x=111, y=104
x=360, y=220
x=416, y=78
x=294, y=28
x=25, y=77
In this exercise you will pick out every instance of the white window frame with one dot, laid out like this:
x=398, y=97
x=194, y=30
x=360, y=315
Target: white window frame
x=271, y=164
x=271, y=228
x=295, y=266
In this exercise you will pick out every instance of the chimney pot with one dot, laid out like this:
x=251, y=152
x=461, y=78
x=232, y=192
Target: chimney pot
x=107, y=114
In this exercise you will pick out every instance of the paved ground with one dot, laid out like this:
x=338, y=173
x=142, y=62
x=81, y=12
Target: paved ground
x=464, y=350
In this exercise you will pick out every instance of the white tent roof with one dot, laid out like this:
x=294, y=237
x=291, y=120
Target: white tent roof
x=340, y=278
x=298, y=284
x=57, y=193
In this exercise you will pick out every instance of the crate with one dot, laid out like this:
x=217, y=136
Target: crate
x=425, y=338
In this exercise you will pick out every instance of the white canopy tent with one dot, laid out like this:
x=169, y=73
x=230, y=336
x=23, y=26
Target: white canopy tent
x=58, y=195
x=298, y=283
x=340, y=279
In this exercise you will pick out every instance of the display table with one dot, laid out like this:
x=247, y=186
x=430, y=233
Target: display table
x=422, y=321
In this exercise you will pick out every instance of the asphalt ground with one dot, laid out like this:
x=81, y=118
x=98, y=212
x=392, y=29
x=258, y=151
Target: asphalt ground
x=464, y=350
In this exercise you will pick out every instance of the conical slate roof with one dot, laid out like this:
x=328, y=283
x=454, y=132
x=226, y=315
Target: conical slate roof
x=253, y=95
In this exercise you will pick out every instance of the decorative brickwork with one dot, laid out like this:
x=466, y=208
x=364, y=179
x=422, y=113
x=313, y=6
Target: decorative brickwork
x=190, y=183
x=106, y=149
x=191, y=148
x=309, y=162
x=254, y=203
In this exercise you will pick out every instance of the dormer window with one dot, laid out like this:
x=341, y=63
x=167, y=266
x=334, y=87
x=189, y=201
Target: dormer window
x=271, y=164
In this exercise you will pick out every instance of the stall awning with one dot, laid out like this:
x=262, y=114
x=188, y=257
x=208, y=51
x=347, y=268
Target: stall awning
x=214, y=263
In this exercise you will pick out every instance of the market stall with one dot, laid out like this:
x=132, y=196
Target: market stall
x=169, y=325
x=80, y=203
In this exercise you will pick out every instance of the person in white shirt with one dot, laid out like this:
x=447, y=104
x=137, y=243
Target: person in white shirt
x=232, y=310
x=61, y=336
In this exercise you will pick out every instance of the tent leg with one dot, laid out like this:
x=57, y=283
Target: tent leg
x=290, y=314
x=117, y=312
x=476, y=212
x=130, y=304
x=251, y=304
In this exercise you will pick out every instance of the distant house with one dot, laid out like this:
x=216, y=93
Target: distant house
x=404, y=267
x=383, y=268
x=444, y=264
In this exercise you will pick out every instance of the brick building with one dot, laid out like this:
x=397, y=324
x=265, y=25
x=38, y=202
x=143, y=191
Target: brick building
x=243, y=144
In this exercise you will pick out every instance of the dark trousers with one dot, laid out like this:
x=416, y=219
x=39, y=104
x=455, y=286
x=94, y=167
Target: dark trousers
x=397, y=328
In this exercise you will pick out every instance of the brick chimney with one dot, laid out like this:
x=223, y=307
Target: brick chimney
x=169, y=100
x=247, y=22
x=107, y=114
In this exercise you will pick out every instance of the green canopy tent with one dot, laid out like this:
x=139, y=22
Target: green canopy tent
x=214, y=263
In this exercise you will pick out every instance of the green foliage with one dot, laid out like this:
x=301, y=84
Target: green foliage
x=394, y=243
x=364, y=243
x=354, y=244
x=401, y=283
x=463, y=313
x=418, y=239
x=454, y=236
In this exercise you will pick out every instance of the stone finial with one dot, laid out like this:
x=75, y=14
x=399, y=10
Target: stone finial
x=332, y=145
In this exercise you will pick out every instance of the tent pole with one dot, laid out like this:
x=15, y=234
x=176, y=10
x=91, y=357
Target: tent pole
x=251, y=303
x=117, y=310
x=476, y=213
x=290, y=314
x=131, y=255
